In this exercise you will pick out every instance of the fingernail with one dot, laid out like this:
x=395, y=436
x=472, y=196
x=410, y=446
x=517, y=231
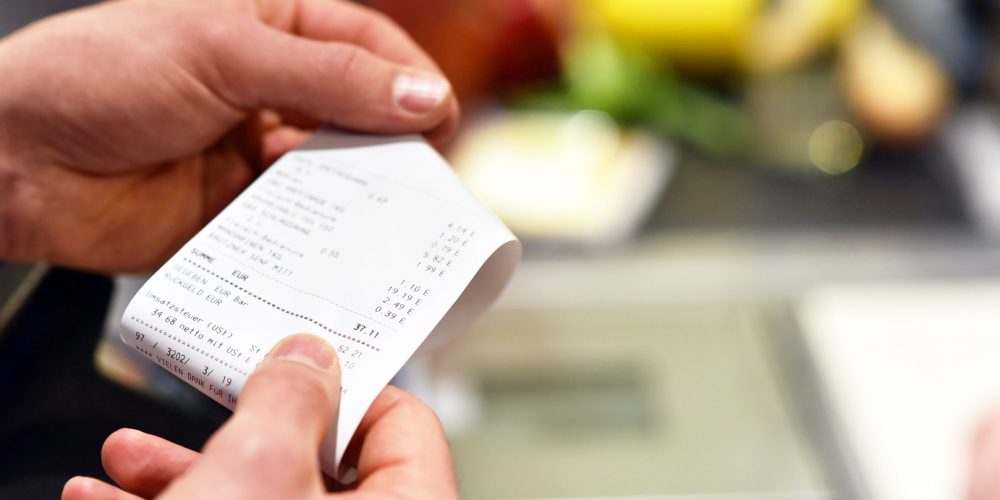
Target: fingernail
x=306, y=349
x=420, y=93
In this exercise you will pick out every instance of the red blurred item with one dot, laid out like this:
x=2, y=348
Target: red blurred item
x=485, y=47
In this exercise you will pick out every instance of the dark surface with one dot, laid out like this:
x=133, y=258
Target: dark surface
x=16, y=13
x=55, y=409
x=903, y=188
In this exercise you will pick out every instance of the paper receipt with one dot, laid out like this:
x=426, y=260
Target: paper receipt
x=371, y=242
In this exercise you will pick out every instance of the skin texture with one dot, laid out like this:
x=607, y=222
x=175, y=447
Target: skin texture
x=985, y=481
x=270, y=447
x=130, y=124
x=126, y=126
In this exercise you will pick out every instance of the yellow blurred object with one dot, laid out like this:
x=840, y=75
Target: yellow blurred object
x=712, y=35
x=897, y=90
x=788, y=32
x=705, y=34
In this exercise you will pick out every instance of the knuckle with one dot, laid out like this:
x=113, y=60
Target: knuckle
x=349, y=61
x=217, y=49
x=363, y=80
x=213, y=32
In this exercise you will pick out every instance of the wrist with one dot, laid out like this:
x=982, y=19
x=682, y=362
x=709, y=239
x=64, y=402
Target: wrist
x=19, y=228
x=12, y=239
x=15, y=229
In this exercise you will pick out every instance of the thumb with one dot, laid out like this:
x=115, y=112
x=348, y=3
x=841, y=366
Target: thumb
x=333, y=82
x=269, y=448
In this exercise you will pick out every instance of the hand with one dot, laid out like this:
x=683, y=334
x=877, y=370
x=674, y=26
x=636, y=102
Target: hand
x=269, y=447
x=985, y=483
x=126, y=126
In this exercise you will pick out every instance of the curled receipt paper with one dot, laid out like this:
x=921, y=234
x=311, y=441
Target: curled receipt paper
x=371, y=242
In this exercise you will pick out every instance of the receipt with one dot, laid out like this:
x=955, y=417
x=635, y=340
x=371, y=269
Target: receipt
x=370, y=242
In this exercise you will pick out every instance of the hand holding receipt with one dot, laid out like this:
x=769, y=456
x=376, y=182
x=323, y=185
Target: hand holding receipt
x=370, y=242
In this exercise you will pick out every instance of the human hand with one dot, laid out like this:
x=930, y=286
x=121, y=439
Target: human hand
x=269, y=448
x=126, y=126
x=985, y=481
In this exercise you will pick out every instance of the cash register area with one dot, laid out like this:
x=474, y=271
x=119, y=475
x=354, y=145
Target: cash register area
x=771, y=273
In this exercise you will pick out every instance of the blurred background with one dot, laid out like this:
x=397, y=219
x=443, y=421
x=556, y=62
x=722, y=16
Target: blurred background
x=761, y=262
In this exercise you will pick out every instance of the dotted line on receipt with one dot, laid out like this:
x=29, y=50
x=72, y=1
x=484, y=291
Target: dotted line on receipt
x=279, y=308
x=320, y=297
x=188, y=345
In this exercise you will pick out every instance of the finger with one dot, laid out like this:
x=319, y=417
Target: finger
x=985, y=478
x=368, y=28
x=282, y=415
x=359, y=25
x=403, y=450
x=88, y=488
x=296, y=391
x=144, y=464
x=444, y=132
x=267, y=135
x=226, y=172
x=281, y=140
x=373, y=30
x=333, y=82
